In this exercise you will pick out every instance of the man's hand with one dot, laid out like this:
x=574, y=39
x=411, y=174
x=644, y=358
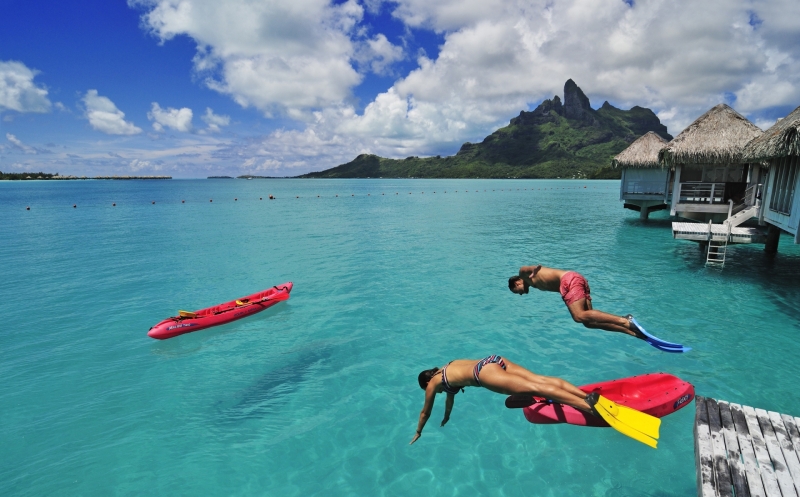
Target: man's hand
x=416, y=437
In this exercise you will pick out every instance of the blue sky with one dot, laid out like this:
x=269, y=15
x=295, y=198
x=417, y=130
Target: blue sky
x=192, y=88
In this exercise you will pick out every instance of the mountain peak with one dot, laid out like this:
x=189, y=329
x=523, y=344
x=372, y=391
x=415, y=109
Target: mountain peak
x=576, y=103
x=560, y=138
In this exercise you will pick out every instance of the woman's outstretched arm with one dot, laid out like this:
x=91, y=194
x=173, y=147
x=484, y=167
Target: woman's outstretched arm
x=430, y=397
x=448, y=406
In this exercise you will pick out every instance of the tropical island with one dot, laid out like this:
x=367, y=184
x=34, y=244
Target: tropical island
x=555, y=140
x=56, y=176
x=26, y=176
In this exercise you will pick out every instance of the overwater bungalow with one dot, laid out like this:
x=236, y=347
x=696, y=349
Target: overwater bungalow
x=778, y=149
x=645, y=184
x=711, y=181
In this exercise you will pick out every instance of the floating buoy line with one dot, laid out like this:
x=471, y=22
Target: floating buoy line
x=273, y=197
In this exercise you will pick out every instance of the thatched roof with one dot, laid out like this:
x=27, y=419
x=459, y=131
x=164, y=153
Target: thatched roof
x=716, y=137
x=641, y=153
x=781, y=140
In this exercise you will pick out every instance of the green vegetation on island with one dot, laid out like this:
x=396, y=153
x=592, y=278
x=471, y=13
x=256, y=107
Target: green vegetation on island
x=26, y=176
x=569, y=140
x=56, y=176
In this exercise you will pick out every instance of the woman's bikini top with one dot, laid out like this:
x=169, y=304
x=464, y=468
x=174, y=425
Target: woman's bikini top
x=447, y=387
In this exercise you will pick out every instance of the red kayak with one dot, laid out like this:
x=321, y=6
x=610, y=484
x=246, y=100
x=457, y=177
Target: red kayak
x=657, y=394
x=187, y=322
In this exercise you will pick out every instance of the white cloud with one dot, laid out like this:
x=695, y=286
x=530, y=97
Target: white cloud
x=177, y=119
x=18, y=91
x=141, y=165
x=19, y=145
x=379, y=54
x=282, y=57
x=104, y=116
x=215, y=122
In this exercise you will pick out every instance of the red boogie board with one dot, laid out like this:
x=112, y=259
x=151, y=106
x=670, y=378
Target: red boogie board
x=657, y=394
x=222, y=313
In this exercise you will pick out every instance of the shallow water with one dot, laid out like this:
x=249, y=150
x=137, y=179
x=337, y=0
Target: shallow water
x=318, y=394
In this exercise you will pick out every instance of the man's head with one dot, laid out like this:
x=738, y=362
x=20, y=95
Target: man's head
x=517, y=285
x=425, y=377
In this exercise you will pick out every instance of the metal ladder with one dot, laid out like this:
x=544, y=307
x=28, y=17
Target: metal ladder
x=717, y=249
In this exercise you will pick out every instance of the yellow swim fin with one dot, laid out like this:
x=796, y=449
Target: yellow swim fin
x=635, y=424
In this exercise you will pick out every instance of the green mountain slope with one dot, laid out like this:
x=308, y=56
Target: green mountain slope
x=554, y=140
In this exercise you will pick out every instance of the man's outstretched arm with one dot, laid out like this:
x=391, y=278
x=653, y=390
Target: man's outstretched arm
x=529, y=271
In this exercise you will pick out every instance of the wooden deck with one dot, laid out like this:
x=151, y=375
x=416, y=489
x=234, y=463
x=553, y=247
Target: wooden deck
x=699, y=232
x=742, y=451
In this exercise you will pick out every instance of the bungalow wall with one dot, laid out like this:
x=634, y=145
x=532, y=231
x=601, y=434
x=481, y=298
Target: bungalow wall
x=644, y=184
x=780, y=207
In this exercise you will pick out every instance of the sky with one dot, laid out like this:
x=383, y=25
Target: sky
x=194, y=88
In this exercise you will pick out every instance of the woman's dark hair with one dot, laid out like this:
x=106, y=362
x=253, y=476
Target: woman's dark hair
x=425, y=377
x=512, y=282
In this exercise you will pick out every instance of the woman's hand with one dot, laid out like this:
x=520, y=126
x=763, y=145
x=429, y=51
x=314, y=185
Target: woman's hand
x=445, y=420
x=416, y=437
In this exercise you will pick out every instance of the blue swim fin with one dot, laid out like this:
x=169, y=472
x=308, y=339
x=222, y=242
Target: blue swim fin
x=673, y=350
x=659, y=343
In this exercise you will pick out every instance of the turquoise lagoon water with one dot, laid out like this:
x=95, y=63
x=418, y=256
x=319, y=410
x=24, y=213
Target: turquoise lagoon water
x=318, y=395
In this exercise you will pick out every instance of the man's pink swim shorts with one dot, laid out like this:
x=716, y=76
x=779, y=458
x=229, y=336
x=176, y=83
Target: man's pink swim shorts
x=574, y=287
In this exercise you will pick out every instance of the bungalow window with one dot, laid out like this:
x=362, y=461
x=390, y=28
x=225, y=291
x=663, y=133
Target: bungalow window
x=783, y=190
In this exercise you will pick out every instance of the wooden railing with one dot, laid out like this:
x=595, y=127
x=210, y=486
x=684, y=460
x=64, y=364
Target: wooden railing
x=705, y=193
x=752, y=196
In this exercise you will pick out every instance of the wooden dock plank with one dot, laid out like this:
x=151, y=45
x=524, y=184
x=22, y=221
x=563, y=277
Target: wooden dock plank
x=793, y=430
x=722, y=472
x=741, y=451
x=738, y=474
x=768, y=476
x=785, y=442
x=719, y=232
x=703, y=453
x=754, y=481
x=776, y=454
